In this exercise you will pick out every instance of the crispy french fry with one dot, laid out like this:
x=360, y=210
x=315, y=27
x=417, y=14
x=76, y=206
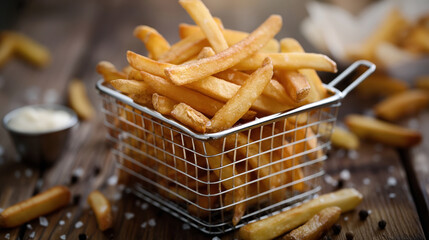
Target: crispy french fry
x=163, y=105
x=78, y=100
x=182, y=74
x=316, y=226
x=206, y=52
x=190, y=117
x=144, y=99
x=381, y=85
x=102, y=210
x=387, y=133
x=131, y=86
x=402, y=105
x=344, y=139
x=290, y=61
x=7, y=47
x=232, y=36
x=238, y=105
x=202, y=17
x=269, y=228
x=422, y=82
x=109, y=71
x=30, y=50
x=419, y=39
x=184, y=50
x=200, y=102
x=295, y=83
x=39, y=205
x=155, y=43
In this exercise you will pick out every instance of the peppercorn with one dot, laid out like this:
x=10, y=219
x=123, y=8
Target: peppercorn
x=74, y=179
x=336, y=228
x=76, y=199
x=349, y=236
x=382, y=224
x=82, y=236
x=96, y=171
x=363, y=214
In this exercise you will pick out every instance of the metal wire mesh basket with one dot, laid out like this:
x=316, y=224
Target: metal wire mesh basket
x=237, y=175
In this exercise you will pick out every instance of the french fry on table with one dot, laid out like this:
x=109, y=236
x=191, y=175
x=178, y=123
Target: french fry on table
x=39, y=205
x=381, y=85
x=344, y=139
x=79, y=101
x=102, y=210
x=155, y=43
x=316, y=226
x=380, y=131
x=7, y=48
x=402, y=105
x=274, y=226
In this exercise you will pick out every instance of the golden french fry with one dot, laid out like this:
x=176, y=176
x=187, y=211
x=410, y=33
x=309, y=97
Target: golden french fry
x=295, y=83
x=274, y=226
x=144, y=99
x=316, y=226
x=296, y=174
x=39, y=205
x=131, y=86
x=387, y=133
x=190, y=117
x=202, y=17
x=102, y=210
x=422, y=82
x=402, y=105
x=182, y=74
x=290, y=61
x=184, y=49
x=419, y=39
x=109, y=71
x=344, y=139
x=78, y=100
x=380, y=84
x=238, y=105
x=231, y=36
x=163, y=105
x=206, y=52
x=155, y=43
x=146, y=64
x=7, y=47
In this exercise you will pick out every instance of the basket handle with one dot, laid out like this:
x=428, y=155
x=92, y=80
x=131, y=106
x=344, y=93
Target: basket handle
x=357, y=81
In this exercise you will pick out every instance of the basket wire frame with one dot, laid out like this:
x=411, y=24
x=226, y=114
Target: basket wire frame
x=204, y=180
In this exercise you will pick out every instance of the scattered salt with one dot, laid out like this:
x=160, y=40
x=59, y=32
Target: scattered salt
x=63, y=237
x=152, y=222
x=129, y=215
x=392, y=195
x=143, y=225
x=345, y=174
x=369, y=211
x=7, y=236
x=145, y=206
x=43, y=221
x=216, y=238
x=29, y=226
x=353, y=154
x=68, y=215
x=62, y=222
x=330, y=180
x=32, y=234
x=366, y=181
x=117, y=196
x=17, y=174
x=78, y=225
x=391, y=181
x=78, y=172
x=113, y=180
x=186, y=226
x=28, y=172
x=346, y=219
x=39, y=183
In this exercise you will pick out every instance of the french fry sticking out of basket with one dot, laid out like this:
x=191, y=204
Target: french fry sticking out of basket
x=39, y=205
x=387, y=133
x=316, y=226
x=163, y=105
x=274, y=226
x=155, y=43
x=190, y=117
x=79, y=101
x=102, y=210
x=109, y=71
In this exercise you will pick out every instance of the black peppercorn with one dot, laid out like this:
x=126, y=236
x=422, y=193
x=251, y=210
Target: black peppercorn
x=82, y=236
x=96, y=171
x=76, y=199
x=382, y=224
x=340, y=183
x=349, y=236
x=336, y=228
x=74, y=179
x=363, y=214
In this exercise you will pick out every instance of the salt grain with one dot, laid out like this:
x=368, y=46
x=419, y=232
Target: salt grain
x=145, y=206
x=127, y=190
x=391, y=181
x=230, y=76
x=392, y=195
x=129, y=215
x=366, y=181
x=340, y=153
x=32, y=234
x=28, y=172
x=330, y=180
x=113, y=180
x=43, y=221
x=346, y=219
x=39, y=183
x=121, y=187
x=152, y=222
x=78, y=172
x=369, y=212
x=7, y=236
x=117, y=196
x=63, y=237
x=186, y=226
x=62, y=222
x=143, y=225
x=29, y=226
x=352, y=154
x=78, y=225
x=345, y=174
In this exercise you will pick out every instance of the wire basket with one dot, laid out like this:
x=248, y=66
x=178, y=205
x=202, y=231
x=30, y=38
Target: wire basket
x=238, y=175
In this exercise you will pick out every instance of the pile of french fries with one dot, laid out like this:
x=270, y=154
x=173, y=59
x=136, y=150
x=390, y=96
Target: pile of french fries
x=211, y=80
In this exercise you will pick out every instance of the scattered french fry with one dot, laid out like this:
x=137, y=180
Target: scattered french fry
x=381, y=85
x=7, y=48
x=344, y=139
x=39, y=205
x=269, y=228
x=31, y=51
x=387, y=133
x=316, y=226
x=102, y=210
x=402, y=105
x=78, y=100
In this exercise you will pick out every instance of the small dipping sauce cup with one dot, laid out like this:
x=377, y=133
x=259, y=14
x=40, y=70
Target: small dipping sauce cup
x=40, y=132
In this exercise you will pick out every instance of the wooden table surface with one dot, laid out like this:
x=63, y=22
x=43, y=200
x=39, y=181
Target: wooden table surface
x=80, y=33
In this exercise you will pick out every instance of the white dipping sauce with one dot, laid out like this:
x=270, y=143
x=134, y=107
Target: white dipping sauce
x=34, y=120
